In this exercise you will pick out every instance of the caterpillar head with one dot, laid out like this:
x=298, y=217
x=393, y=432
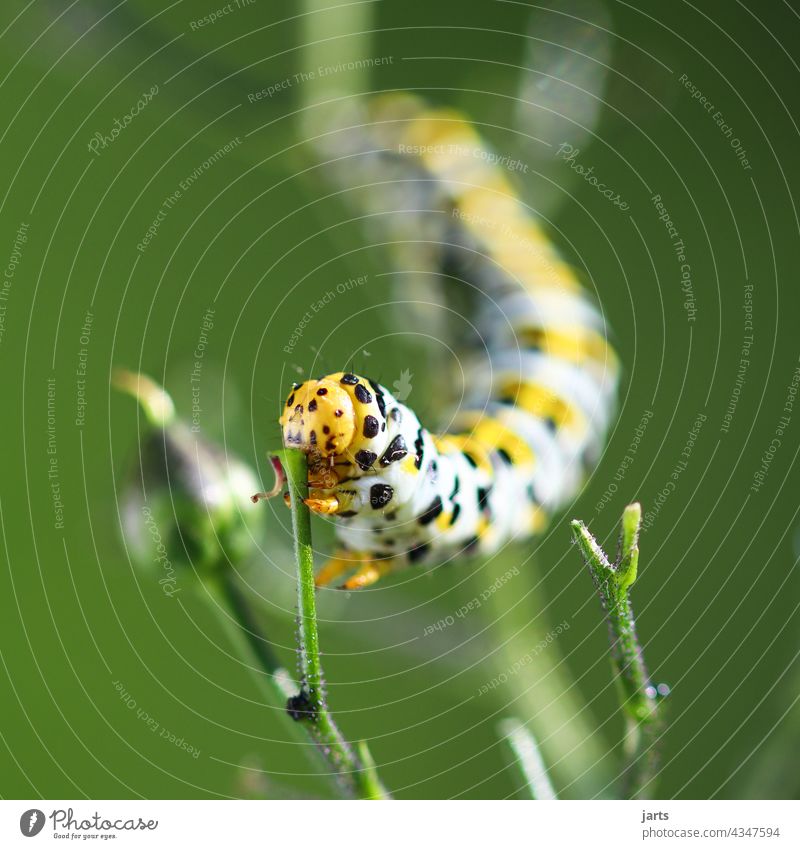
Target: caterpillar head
x=319, y=416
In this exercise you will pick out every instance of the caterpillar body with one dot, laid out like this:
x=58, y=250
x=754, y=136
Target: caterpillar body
x=537, y=407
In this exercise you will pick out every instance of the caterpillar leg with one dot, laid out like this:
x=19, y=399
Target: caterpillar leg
x=367, y=575
x=326, y=506
x=367, y=572
x=335, y=567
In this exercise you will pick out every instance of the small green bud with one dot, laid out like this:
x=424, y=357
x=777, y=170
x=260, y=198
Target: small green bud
x=186, y=504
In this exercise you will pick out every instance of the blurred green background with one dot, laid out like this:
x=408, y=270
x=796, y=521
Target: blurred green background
x=259, y=236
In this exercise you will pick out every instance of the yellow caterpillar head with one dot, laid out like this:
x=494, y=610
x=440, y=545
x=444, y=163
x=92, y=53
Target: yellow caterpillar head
x=319, y=416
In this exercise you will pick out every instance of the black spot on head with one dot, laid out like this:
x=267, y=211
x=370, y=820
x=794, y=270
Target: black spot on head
x=365, y=459
x=379, y=397
x=371, y=426
x=296, y=386
x=363, y=394
x=322, y=391
x=312, y=405
x=325, y=429
x=418, y=553
x=396, y=451
x=291, y=400
x=330, y=445
x=338, y=413
x=380, y=494
x=349, y=379
x=298, y=408
x=433, y=510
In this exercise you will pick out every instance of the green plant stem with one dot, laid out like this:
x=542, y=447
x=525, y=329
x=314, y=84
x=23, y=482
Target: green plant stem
x=639, y=699
x=356, y=772
x=276, y=684
x=259, y=646
x=543, y=690
x=528, y=758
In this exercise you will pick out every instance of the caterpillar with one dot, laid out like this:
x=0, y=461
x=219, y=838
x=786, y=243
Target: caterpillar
x=537, y=409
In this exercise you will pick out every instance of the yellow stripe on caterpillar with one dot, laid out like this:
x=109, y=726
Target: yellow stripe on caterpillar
x=573, y=344
x=465, y=444
x=496, y=436
x=542, y=402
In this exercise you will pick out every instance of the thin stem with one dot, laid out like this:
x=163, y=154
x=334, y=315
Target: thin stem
x=276, y=682
x=309, y=707
x=542, y=690
x=528, y=759
x=639, y=699
x=251, y=631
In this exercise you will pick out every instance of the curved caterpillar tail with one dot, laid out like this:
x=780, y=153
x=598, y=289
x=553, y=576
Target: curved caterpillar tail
x=536, y=412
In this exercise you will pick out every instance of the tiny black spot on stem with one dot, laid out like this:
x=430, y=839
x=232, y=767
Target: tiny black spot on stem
x=300, y=707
